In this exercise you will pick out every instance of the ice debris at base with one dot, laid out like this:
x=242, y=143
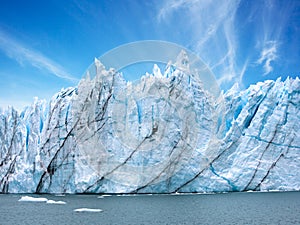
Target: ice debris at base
x=164, y=134
x=87, y=210
x=32, y=199
x=35, y=199
x=56, y=202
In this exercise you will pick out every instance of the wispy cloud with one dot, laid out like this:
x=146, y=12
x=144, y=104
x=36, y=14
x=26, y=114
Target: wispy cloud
x=213, y=30
x=243, y=71
x=172, y=5
x=234, y=37
x=272, y=19
x=23, y=54
x=268, y=55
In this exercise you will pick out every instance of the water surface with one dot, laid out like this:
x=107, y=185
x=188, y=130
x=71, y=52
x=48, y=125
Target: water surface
x=230, y=208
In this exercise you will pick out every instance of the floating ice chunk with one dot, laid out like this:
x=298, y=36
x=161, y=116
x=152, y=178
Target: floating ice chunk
x=32, y=199
x=56, y=202
x=87, y=210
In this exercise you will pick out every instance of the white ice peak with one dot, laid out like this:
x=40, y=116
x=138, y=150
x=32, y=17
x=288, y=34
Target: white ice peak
x=182, y=61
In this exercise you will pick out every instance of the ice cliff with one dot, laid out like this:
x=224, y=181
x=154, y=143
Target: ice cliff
x=162, y=134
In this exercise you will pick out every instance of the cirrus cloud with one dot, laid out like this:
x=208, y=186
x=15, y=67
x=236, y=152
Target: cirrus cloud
x=23, y=54
x=268, y=55
x=212, y=27
x=236, y=38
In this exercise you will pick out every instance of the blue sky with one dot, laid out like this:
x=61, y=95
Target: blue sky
x=48, y=45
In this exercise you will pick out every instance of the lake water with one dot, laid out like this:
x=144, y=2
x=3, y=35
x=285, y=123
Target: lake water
x=230, y=208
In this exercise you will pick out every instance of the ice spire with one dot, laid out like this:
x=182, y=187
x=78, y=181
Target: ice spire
x=182, y=61
x=156, y=71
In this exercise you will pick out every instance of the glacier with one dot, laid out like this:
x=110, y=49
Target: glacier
x=162, y=134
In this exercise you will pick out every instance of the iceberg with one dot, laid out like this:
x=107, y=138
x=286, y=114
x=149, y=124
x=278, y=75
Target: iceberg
x=39, y=199
x=32, y=199
x=162, y=134
x=56, y=202
x=87, y=210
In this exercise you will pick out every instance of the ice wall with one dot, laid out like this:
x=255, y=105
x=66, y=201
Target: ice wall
x=163, y=134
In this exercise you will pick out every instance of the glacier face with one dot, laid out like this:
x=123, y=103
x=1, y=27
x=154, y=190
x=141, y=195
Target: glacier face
x=163, y=134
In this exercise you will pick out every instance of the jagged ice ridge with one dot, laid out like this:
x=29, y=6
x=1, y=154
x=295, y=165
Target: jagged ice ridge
x=163, y=134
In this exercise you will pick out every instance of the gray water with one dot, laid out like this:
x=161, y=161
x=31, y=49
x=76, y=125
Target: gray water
x=230, y=208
